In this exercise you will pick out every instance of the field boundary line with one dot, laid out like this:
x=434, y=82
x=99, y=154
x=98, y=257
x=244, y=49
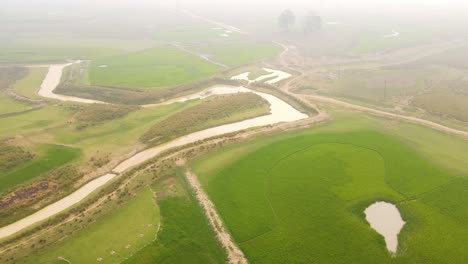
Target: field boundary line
x=233, y=252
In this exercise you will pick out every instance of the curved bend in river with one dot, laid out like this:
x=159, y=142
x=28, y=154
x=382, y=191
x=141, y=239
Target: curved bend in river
x=52, y=80
x=280, y=111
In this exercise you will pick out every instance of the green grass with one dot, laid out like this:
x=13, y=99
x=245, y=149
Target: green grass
x=110, y=233
x=8, y=105
x=120, y=135
x=157, y=67
x=24, y=124
x=29, y=86
x=49, y=157
x=300, y=197
x=240, y=53
x=50, y=52
x=185, y=236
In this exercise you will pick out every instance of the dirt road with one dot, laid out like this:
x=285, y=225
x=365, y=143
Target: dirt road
x=234, y=254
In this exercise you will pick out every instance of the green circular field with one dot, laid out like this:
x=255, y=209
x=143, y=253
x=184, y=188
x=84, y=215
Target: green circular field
x=301, y=200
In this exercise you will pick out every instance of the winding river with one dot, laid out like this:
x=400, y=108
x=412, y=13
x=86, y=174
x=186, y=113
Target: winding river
x=280, y=111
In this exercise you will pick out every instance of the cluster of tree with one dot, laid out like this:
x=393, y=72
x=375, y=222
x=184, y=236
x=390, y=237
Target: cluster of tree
x=311, y=22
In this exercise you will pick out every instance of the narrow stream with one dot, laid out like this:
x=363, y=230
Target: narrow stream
x=280, y=111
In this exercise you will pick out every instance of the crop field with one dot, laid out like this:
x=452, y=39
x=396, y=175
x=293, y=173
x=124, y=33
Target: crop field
x=301, y=197
x=157, y=67
x=196, y=33
x=8, y=105
x=240, y=53
x=185, y=236
x=162, y=224
x=48, y=157
x=112, y=238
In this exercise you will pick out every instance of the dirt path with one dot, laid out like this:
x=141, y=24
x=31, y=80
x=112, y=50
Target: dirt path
x=288, y=85
x=234, y=254
x=373, y=111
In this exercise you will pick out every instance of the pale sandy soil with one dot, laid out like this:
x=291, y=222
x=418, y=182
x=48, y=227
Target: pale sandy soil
x=386, y=220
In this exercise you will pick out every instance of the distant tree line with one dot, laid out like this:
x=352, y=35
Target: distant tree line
x=311, y=22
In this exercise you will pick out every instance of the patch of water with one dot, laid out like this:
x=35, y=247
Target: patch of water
x=385, y=218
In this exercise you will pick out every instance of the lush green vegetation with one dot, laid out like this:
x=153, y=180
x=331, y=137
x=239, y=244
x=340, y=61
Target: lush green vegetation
x=157, y=67
x=300, y=197
x=185, y=236
x=240, y=53
x=113, y=237
x=215, y=111
x=23, y=124
x=49, y=157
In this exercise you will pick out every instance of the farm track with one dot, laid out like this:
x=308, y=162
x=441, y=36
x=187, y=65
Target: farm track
x=234, y=254
x=280, y=112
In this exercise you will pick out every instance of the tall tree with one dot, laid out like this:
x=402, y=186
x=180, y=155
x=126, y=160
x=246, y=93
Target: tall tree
x=312, y=23
x=286, y=20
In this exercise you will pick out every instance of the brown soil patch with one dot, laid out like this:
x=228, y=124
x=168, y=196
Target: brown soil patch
x=26, y=195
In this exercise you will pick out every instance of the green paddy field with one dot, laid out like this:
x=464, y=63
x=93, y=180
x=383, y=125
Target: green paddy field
x=299, y=198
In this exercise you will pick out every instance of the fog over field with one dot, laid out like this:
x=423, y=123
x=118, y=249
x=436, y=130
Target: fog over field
x=233, y=131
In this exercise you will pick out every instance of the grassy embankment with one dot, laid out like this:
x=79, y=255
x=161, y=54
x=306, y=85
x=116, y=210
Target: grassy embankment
x=29, y=86
x=300, y=197
x=184, y=236
x=46, y=158
x=112, y=238
x=8, y=76
x=213, y=112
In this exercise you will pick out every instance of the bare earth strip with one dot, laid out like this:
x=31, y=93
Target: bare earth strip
x=411, y=119
x=234, y=254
